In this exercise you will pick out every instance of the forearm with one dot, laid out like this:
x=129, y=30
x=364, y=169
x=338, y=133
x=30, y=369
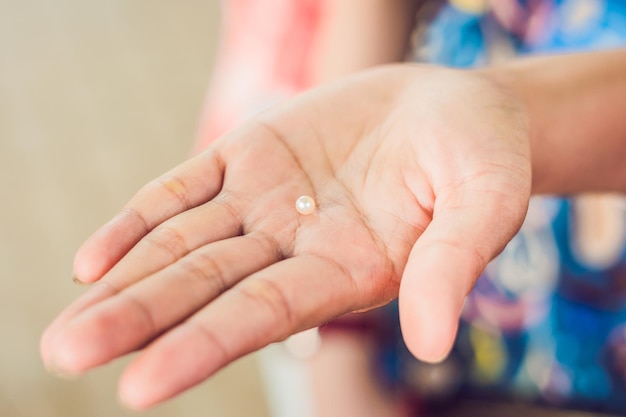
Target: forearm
x=359, y=34
x=576, y=106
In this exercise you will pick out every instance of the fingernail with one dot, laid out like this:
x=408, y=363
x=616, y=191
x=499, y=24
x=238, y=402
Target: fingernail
x=130, y=405
x=127, y=407
x=79, y=282
x=59, y=373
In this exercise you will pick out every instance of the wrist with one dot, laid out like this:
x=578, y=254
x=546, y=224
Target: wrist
x=574, y=105
x=512, y=83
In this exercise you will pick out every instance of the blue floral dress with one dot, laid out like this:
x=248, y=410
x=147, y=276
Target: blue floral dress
x=546, y=322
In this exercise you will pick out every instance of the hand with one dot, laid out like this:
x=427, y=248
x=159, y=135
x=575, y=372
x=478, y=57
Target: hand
x=421, y=176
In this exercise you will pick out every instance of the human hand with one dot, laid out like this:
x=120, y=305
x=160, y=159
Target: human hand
x=421, y=176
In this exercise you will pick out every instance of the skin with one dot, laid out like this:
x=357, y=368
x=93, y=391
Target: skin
x=352, y=35
x=422, y=181
x=574, y=104
x=359, y=34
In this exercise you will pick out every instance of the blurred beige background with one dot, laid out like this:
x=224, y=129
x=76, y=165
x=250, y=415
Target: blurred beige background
x=96, y=98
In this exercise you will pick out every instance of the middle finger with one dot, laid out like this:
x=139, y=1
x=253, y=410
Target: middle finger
x=139, y=313
x=213, y=221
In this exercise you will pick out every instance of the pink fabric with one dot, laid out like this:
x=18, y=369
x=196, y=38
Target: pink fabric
x=263, y=58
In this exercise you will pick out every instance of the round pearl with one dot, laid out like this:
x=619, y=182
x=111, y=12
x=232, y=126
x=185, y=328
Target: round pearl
x=305, y=205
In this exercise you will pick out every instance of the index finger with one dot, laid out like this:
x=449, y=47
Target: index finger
x=182, y=188
x=267, y=306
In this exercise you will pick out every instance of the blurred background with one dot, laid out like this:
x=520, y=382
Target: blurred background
x=96, y=98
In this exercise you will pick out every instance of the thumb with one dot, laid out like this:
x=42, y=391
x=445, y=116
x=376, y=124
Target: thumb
x=469, y=230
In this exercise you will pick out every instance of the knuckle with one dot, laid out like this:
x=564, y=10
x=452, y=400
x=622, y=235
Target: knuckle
x=214, y=342
x=269, y=295
x=167, y=240
x=136, y=215
x=144, y=315
x=177, y=188
x=204, y=267
x=268, y=244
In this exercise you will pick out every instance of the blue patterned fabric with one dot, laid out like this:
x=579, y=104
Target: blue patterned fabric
x=546, y=322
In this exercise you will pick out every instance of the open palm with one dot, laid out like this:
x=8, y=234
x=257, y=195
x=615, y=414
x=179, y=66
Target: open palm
x=420, y=176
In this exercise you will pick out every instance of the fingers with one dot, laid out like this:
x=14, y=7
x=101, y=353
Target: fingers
x=445, y=263
x=137, y=314
x=167, y=243
x=173, y=239
x=186, y=186
x=292, y=295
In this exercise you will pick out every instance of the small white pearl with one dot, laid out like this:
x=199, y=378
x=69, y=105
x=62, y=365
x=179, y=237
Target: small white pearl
x=305, y=204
